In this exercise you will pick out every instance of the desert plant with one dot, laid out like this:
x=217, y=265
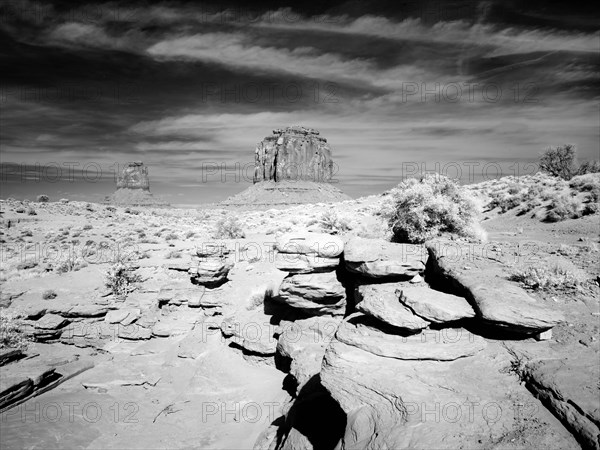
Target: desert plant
x=417, y=210
x=588, y=167
x=11, y=332
x=42, y=199
x=331, y=223
x=544, y=278
x=590, y=208
x=228, y=227
x=68, y=262
x=120, y=278
x=562, y=207
x=559, y=161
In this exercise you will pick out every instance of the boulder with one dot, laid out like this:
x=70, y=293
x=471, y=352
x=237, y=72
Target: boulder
x=438, y=345
x=381, y=301
x=304, y=343
x=377, y=258
x=307, y=243
x=211, y=272
x=484, y=284
x=316, y=293
x=435, y=306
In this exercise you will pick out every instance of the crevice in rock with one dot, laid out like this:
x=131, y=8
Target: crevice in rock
x=316, y=416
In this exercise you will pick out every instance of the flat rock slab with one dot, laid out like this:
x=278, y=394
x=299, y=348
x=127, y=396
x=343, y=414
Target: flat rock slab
x=85, y=310
x=180, y=293
x=467, y=403
x=251, y=330
x=484, y=284
x=299, y=263
x=317, y=293
x=438, y=345
x=382, y=302
x=51, y=322
x=9, y=354
x=377, y=258
x=193, y=343
x=307, y=243
x=435, y=306
x=570, y=388
x=134, y=332
x=116, y=316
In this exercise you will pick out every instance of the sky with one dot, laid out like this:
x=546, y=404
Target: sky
x=471, y=89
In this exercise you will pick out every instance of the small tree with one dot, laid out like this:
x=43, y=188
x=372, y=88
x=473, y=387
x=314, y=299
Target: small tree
x=559, y=161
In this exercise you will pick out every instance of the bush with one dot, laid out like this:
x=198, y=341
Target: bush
x=228, y=228
x=562, y=208
x=42, y=199
x=588, y=167
x=11, y=333
x=120, y=278
x=71, y=262
x=545, y=278
x=589, y=209
x=509, y=203
x=559, y=161
x=417, y=210
x=332, y=224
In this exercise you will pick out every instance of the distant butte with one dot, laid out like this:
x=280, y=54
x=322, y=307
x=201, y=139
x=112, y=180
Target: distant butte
x=133, y=187
x=292, y=166
x=134, y=176
x=295, y=153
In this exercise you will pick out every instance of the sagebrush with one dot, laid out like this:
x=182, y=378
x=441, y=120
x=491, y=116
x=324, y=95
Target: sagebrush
x=11, y=332
x=420, y=209
x=229, y=227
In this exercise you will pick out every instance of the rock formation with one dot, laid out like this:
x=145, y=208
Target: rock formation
x=133, y=187
x=296, y=153
x=134, y=176
x=293, y=166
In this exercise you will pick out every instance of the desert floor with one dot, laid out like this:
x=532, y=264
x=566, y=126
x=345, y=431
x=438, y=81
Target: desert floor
x=186, y=385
